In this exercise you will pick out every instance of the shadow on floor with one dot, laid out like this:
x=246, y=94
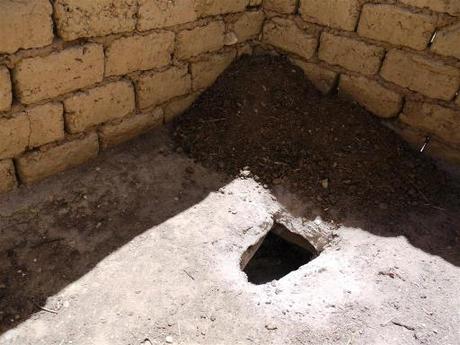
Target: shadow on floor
x=54, y=232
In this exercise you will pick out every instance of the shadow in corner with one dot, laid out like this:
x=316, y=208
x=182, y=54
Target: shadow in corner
x=338, y=161
x=53, y=233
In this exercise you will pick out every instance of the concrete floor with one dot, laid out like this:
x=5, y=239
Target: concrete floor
x=143, y=246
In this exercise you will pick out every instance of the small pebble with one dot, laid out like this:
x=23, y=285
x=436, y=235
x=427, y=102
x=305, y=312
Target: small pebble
x=271, y=327
x=169, y=339
x=245, y=173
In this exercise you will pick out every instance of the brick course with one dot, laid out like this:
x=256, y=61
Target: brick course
x=426, y=76
x=248, y=25
x=206, y=71
x=101, y=104
x=164, y=13
x=25, y=24
x=179, y=105
x=396, y=25
x=113, y=134
x=447, y=41
x=158, y=87
x=145, y=52
x=286, y=35
x=322, y=78
x=76, y=18
x=282, y=6
x=341, y=14
x=371, y=95
x=6, y=96
x=33, y=127
x=433, y=118
x=448, y=6
x=351, y=54
x=14, y=135
x=46, y=77
x=37, y=165
x=46, y=124
x=215, y=7
x=200, y=40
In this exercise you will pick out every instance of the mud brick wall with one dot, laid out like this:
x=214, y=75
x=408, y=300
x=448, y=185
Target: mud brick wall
x=400, y=59
x=77, y=76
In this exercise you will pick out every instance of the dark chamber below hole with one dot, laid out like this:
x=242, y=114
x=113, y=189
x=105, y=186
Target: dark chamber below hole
x=274, y=259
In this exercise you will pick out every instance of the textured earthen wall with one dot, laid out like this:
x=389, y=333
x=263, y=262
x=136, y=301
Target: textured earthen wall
x=78, y=76
x=400, y=59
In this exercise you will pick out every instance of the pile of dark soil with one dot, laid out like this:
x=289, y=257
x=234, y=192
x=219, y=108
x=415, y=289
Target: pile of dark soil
x=264, y=114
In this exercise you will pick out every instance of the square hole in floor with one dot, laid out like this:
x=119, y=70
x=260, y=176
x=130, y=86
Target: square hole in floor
x=276, y=255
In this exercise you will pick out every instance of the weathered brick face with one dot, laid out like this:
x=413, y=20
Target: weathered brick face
x=340, y=14
x=5, y=89
x=76, y=18
x=33, y=127
x=145, y=52
x=200, y=40
x=426, y=76
x=46, y=124
x=206, y=71
x=447, y=6
x=101, y=104
x=215, y=7
x=154, y=14
x=324, y=79
x=158, y=87
x=282, y=6
x=179, y=105
x=14, y=135
x=396, y=25
x=25, y=24
x=433, y=118
x=37, y=165
x=113, y=134
x=371, y=95
x=249, y=25
x=447, y=41
x=286, y=35
x=351, y=54
x=46, y=77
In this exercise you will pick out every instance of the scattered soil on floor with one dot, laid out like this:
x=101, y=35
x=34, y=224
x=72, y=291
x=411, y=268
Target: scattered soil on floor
x=263, y=115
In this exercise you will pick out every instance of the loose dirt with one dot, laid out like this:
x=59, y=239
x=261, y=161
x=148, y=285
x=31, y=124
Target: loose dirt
x=263, y=115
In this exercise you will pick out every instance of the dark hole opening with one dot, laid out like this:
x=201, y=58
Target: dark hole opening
x=277, y=254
